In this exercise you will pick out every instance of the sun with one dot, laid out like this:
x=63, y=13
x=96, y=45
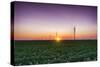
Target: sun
x=58, y=39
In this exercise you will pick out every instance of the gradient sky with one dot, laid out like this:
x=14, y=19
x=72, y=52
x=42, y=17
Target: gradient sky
x=37, y=21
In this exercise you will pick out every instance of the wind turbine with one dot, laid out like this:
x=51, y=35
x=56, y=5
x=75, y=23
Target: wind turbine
x=74, y=32
x=57, y=37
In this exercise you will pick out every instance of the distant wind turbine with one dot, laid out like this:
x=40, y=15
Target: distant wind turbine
x=56, y=34
x=57, y=37
x=74, y=32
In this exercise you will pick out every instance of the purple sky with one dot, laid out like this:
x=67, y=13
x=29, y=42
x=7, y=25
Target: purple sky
x=32, y=18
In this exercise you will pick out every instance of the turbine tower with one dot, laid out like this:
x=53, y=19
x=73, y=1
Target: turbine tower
x=56, y=34
x=74, y=32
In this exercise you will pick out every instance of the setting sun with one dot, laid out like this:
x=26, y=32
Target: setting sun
x=58, y=39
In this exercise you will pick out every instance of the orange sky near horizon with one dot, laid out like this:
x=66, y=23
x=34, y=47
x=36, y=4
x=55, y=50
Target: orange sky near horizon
x=52, y=36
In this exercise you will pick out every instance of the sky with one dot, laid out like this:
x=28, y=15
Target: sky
x=38, y=21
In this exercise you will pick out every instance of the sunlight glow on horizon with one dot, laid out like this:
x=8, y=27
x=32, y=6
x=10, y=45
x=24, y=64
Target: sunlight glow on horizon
x=58, y=39
x=38, y=36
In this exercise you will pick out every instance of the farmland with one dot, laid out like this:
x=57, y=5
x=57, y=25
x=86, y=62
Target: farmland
x=28, y=52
